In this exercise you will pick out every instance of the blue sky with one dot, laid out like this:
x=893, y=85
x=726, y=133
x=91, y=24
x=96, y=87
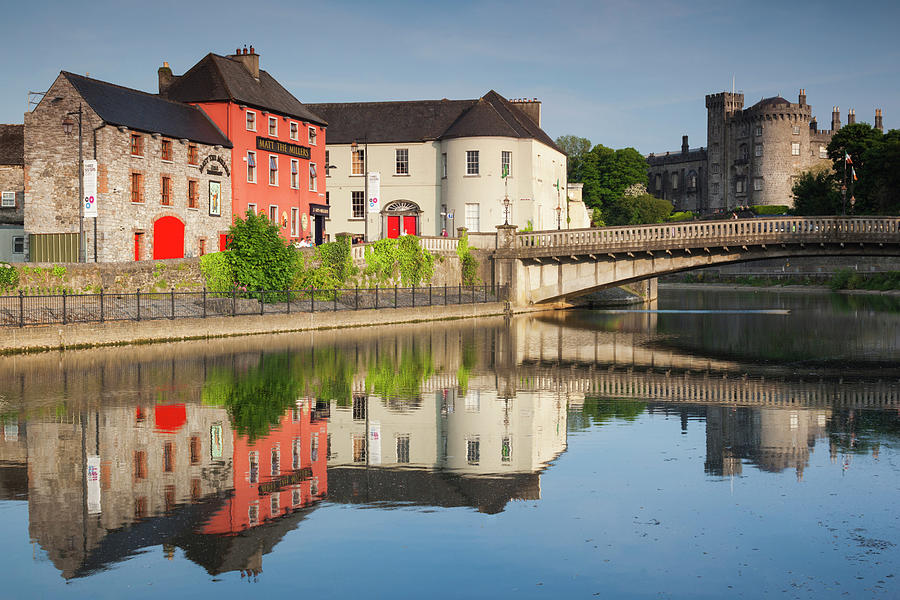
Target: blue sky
x=619, y=73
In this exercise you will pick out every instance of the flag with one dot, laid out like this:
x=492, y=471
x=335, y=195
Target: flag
x=847, y=159
x=505, y=172
x=853, y=172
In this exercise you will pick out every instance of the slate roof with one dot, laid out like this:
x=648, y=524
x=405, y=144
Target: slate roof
x=121, y=106
x=773, y=101
x=427, y=120
x=12, y=144
x=218, y=78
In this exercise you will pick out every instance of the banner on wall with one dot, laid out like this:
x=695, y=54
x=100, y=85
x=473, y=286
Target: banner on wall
x=90, y=188
x=93, y=485
x=374, y=200
x=374, y=443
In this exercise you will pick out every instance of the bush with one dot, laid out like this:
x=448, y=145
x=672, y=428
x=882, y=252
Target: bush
x=404, y=257
x=468, y=263
x=770, y=209
x=9, y=277
x=258, y=256
x=840, y=279
x=680, y=216
x=217, y=272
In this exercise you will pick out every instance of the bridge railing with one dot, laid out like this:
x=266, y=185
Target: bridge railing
x=699, y=233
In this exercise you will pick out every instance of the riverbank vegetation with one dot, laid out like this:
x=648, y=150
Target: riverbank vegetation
x=844, y=279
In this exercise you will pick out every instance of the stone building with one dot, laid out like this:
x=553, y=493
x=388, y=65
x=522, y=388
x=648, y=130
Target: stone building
x=753, y=155
x=163, y=175
x=440, y=164
x=13, y=246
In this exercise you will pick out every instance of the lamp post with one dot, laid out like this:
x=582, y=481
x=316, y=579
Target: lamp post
x=354, y=147
x=558, y=207
x=67, y=124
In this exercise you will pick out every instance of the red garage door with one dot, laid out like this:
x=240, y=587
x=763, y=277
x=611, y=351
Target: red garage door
x=168, y=238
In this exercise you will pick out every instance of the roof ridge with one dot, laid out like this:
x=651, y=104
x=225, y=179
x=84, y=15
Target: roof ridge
x=388, y=102
x=509, y=106
x=222, y=79
x=502, y=118
x=122, y=87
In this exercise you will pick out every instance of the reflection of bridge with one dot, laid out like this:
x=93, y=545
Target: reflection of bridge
x=555, y=265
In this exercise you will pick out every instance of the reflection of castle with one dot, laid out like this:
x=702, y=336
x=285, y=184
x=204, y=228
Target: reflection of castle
x=472, y=449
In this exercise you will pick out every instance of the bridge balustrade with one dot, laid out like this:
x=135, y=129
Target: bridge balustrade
x=724, y=233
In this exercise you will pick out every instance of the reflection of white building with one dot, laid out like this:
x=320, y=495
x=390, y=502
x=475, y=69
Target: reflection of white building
x=438, y=158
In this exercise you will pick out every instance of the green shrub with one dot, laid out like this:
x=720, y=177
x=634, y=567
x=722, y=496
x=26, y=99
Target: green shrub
x=259, y=257
x=680, y=216
x=404, y=257
x=840, y=279
x=770, y=209
x=217, y=272
x=9, y=277
x=468, y=263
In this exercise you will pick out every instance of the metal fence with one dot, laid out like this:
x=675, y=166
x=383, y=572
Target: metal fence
x=24, y=310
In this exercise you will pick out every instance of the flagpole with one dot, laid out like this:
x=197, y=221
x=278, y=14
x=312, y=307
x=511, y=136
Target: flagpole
x=844, y=187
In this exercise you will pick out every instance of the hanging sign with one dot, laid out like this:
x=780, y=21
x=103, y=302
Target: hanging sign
x=93, y=485
x=374, y=201
x=90, y=188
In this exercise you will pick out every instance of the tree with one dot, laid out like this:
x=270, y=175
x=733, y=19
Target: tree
x=637, y=210
x=858, y=141
x=607, y=173
x=816, y=193
x=574, y=148
x=259, y=258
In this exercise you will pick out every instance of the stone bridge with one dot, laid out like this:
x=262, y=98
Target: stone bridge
x=547, y=266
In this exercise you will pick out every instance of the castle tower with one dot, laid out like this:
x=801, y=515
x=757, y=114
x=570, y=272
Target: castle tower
x=851, y=117
x=878, y=123
x=801, y=100
x=720, y=109
x=835, y=119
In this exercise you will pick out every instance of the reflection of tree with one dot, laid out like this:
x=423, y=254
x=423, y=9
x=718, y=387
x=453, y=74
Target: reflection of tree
x=863, y=431
x=601, y=410
x=399, y=378
x=873, y=302
x=467, y=362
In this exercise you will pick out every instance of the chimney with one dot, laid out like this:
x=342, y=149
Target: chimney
x=250, y=60
x=814, y=125
x=684, y=144
x=531, y=108
x=835, y=118
x=166, y=78
x=802, y=98
x=878, y=124
x=851, y=117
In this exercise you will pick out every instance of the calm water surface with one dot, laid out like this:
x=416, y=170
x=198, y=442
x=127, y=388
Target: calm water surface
x=728, y=444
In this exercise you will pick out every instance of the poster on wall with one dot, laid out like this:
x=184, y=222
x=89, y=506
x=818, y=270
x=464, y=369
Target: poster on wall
x=216, y=444
x=90, y=188
x=374, y=443
x=93, y=485
x=374, y=192
x=215, y=198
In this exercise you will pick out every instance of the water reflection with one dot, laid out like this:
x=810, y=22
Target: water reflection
x=222, y=448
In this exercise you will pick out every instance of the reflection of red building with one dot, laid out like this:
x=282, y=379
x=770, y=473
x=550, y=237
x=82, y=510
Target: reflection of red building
x=277, y=474
x=278, y=161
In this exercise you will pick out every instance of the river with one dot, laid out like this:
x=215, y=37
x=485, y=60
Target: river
x=716, y=444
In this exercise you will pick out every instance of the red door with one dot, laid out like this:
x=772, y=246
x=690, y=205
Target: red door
x=223, y=241
x=168, y=238
x=137, y=245
x=393, y=227
x=409, y=225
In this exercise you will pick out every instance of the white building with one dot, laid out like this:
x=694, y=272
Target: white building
x=441, y=166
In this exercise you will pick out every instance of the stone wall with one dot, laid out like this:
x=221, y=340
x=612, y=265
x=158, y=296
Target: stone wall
x=12, y=179
x=162, y=275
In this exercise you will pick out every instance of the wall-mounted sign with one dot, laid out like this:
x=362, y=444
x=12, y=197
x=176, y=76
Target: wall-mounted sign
x=216, y=445
x=215, y=198
x=304, y=222
x=93, y=484
x=270, y=145
x=319, y=210
x=90, y=188
x=374, y=202
x=212, y=163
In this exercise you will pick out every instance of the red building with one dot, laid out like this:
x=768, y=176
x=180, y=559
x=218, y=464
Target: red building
x=275, y=475
x=278, y=159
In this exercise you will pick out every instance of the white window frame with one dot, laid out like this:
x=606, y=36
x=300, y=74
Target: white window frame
x=757, y=184
x=476, y=163
x=740, y=186
x=273, y=126
x=295, y=225
x=360, y=194
x=295, y=174
x=313, y=178
x=294, y=129
x=253, y=164
x=361, y=153
x=796, y=130
x=247, y=118
x=21, y=240
x=823, y=152
x=8, y=200
x=401, y=162
x=795, y=148
x=674, y=181
x=473, y=215
x=275, y=220
x=313, y=134
x=275, y=158
x=758, y=130
x=506, y=159
x=251, y=206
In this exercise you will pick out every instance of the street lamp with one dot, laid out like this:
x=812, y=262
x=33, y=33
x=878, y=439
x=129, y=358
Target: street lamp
x=354, y=148
x=68, y=124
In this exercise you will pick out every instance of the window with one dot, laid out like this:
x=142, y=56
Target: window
x=312, y=136
x=757, y=150
x=739, y=186
x=674, y=181
x=473, y=450
x=295, y=173
x=251, y=167
x=168, y=457
x=251, y=208
x=140, y=465
x=251, y=120
x=193, y=193
x=166, y=150
x=715, y=168
x=295, y=131
x=758, y=131
x=195, y=450
x=796, y=130
x=137, y=144
x=359, y=447
x=314, y=448
x=403, y=448
x=505, y=163
x=273, y=169
x=253, y=461
x=444, y=165
x=471, y=162
x=192, y=154
x=18, y=243
x=253, y=513
x=473, y=217
x=273, y=126
x=715, y=189
x=506, y=449
x=327, y=164
x=795, y=148
x=295, y=218
x=276, y=462
x=823, y=152
x=359, y=407
x=9, y=200
x=473, y=401
x=757, y=183
x=165, y=191
x=742, y=152
x=358, y=159
x=692, y=180
x=273, y=213
x=401, y=161
x=296, y=496
x=140, y=508
x=313, y=183
x=295, y=453
x=137, y=187
x=358, y=204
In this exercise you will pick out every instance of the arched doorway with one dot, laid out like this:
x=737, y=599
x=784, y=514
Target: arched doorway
x=168, y=238
x=401, y=218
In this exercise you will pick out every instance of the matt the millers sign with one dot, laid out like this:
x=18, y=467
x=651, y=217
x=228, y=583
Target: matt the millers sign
x=270, y=145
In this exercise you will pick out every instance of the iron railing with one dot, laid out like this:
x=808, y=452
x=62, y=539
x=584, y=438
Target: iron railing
x=45, y=309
